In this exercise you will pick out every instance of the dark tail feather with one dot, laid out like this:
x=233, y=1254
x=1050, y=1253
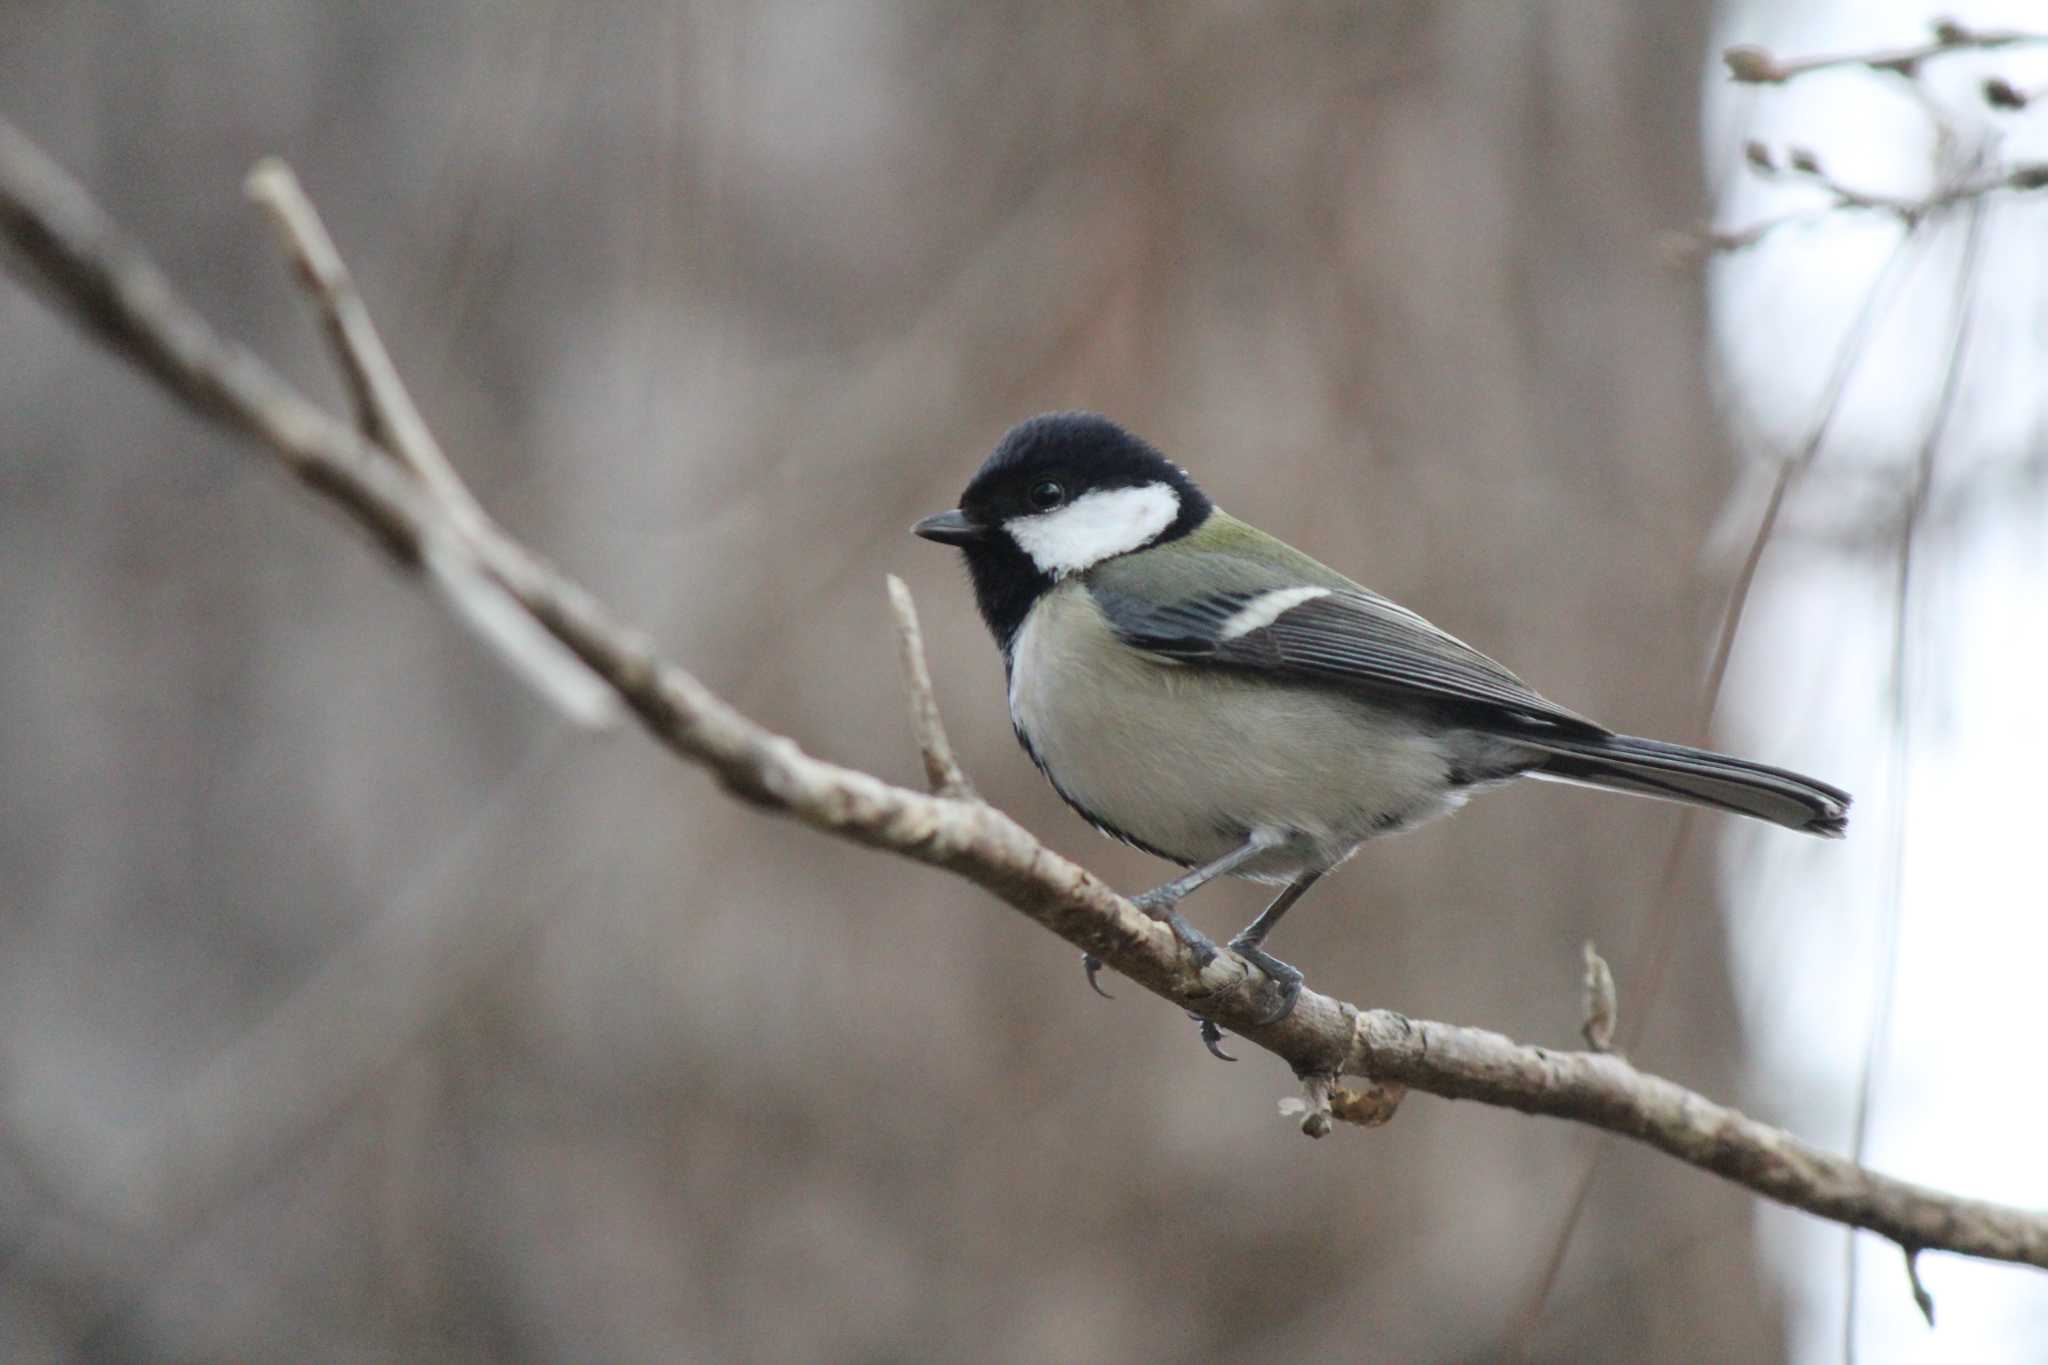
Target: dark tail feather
x=1648, y=767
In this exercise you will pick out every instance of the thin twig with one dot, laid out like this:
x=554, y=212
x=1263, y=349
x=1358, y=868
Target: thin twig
x=66, y=247
x=1683, y=248
x=462, y=566
x=86, y=273
x=1910, y=210
x=1912, y=509
x=1922, y=1300
x=1752, y=65
x=942, y=770
x=384, y=409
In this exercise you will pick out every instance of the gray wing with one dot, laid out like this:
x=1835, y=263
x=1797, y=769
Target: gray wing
x=1344, y=638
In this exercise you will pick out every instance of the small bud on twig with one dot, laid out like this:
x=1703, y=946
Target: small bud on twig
x=1600, y=1005
x=1752, y=66
x=2000, y=93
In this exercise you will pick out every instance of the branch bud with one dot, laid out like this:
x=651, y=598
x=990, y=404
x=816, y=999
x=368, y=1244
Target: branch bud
x=1753, y=66
x=2000, y=93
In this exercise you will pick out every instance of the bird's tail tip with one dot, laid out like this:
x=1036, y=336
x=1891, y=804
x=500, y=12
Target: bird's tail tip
x=1700, y=777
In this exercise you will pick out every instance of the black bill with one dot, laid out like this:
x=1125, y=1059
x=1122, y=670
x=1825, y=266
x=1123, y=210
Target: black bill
x=949, y=528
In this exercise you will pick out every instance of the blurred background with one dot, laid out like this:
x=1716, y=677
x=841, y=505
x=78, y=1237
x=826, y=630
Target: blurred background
x=351, y=1009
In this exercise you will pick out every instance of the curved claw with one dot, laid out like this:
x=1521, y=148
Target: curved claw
x=1092, y=964
x=1212, y=1038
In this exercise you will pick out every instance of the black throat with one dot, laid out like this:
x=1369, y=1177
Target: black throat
x=1007, y=584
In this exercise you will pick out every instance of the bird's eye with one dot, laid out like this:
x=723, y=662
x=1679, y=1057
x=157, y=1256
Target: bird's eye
x=1048, y=494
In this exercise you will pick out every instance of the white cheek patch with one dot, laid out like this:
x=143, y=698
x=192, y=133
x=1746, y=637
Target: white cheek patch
x=1094, y=527
x=1265, y=609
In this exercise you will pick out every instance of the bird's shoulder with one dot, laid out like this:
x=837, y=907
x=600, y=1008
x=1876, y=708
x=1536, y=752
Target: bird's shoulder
x=1224, y=555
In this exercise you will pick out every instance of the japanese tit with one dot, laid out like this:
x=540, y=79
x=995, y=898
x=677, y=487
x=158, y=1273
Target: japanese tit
x=1215, y=697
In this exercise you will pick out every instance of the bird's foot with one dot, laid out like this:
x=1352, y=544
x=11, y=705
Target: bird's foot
x=1157, y=901
x=1194, y=940
x=1285, y=980
x=1160, y=905
x=1282, y=978
x=1198, y=944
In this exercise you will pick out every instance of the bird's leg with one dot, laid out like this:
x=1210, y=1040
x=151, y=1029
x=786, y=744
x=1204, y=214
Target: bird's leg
x=1161, y=901
x=1250, y=940
x=1247, y=946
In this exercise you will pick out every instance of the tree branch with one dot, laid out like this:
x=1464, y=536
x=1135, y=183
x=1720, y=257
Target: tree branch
x=1909, y=210
x=942, y=770
x=61, y=242
x=64, y=245
x=385, y=412
x=1752, y=65
x=389, y=420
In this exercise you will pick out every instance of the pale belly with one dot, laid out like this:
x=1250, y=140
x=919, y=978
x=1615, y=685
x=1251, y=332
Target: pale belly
x=1189, y=761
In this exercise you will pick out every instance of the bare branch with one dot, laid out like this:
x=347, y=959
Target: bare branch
x=62, y=244
x=479, y=599
x=942, y=771
x=387, y=416
x=1753, y=65
x=1686, y=247
x=384, y=410
x=70, y=250
x=1910, y=210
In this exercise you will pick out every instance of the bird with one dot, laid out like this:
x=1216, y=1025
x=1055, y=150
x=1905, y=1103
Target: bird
x=1208, y=693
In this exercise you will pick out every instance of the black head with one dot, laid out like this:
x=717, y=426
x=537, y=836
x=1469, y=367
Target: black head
x=1061, y=493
